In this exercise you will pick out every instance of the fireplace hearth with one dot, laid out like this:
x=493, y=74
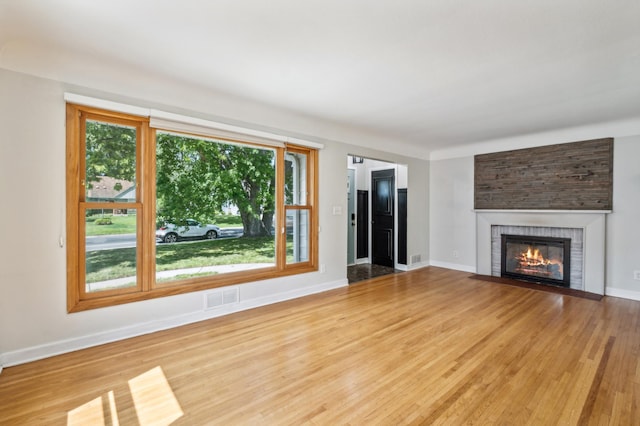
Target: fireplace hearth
x=537, y=259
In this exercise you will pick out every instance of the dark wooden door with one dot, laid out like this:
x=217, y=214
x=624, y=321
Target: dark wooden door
x=382, y=211
x=402, y=226
x=362, y=229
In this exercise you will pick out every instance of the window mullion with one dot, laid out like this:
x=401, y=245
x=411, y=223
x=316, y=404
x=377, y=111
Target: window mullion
x=281, y=242
x=146, y=194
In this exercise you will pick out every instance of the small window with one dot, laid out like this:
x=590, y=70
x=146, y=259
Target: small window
x=298, y=218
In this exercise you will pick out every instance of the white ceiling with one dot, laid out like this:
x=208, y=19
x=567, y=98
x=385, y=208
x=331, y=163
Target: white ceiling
x=435, y=73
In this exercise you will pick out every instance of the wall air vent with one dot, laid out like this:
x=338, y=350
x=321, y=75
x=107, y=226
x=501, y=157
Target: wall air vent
x=416, y=258
x=230, y=295
x=221, y=297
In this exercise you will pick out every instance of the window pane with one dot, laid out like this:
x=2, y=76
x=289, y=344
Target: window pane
x=110, y=171
x=215, y=207
x=297, y=223
x=295, y=178
x=110, y=246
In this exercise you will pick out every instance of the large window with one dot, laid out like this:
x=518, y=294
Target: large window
x=154, y=212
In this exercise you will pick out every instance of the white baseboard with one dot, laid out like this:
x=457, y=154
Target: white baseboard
x=416, y=265
x=454, y=266
x=625, y=294
x=34, y=353
x=609, y=291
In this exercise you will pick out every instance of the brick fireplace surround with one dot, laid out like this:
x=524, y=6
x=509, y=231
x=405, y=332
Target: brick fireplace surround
x=591, y=222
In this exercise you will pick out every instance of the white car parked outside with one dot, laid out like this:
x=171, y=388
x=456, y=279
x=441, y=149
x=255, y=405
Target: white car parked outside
x=191, y=229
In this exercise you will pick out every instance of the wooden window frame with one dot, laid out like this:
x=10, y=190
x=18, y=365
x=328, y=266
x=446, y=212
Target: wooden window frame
x=146, y=288
x=309, y=206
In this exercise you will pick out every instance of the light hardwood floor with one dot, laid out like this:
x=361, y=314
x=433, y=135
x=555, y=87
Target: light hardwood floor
x=431, y=346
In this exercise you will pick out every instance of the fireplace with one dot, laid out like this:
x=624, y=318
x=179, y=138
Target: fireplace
x=587, y=272
x=538, y=259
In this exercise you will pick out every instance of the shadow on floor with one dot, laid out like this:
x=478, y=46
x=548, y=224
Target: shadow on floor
x=365, y=271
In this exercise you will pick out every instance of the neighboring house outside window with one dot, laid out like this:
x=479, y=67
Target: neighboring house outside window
x=107, y=188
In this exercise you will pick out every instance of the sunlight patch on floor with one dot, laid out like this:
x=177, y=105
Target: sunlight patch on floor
x=90, y=413
x=153, y=400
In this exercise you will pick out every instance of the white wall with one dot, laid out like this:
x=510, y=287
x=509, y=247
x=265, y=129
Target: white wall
x=623, y=231
x=452, y=225
x=403, y=176
x=33, y=318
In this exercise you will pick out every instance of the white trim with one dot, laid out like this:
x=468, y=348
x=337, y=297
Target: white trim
x=418, y=265
x=163, y=120
x=413, y=267
x=182, y=123
x=108, y=105
x=354, y=229
x=619, y=292
x=454, y=266
x=302, y=142
x=34, y=353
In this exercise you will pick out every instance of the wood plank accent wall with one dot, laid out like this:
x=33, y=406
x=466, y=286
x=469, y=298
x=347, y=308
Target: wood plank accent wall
x=569, y=176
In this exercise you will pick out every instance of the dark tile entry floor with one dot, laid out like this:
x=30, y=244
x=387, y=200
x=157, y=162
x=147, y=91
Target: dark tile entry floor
x=365, y=271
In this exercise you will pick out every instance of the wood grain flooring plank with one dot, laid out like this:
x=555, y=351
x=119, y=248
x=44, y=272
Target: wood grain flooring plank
x=587, y=409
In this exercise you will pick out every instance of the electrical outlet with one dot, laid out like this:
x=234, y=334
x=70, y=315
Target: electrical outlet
x=636, y=275
x=323, y=268
x=456, y=254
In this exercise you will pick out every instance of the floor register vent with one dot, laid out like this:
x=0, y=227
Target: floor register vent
x=221, y=297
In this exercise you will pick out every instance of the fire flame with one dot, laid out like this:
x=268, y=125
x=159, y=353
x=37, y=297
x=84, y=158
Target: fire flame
x=534, y=258
x=533, y=262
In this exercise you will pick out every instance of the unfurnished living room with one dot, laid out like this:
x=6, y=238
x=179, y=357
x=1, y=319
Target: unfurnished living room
x=337, y=212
